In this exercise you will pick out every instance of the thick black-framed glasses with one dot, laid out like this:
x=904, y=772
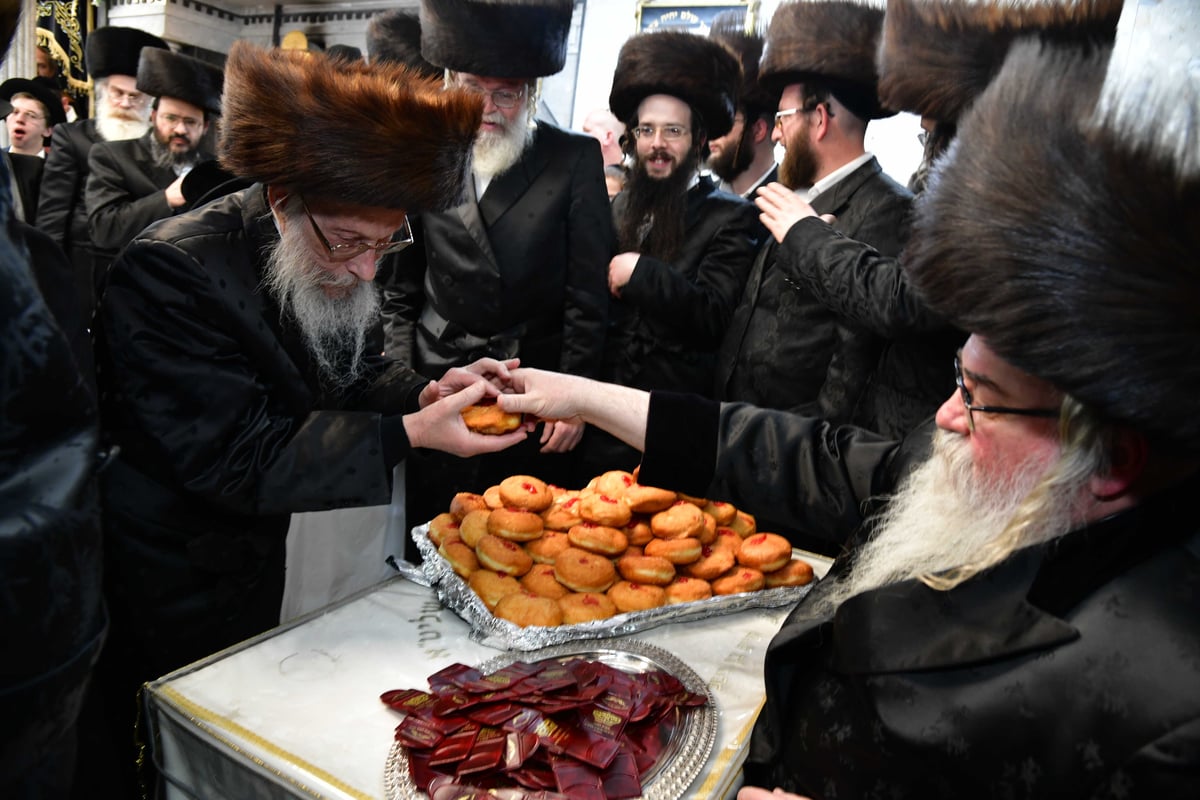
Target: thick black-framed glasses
x=965, y=394
x=345, y=252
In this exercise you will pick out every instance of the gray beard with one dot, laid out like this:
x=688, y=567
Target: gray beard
x=943, y=517
x=495, y=153
x=334, y=328
x=113, y=129
x=164, y=157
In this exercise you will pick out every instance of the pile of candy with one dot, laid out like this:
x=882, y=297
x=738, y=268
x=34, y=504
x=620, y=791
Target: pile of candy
x=572, y=728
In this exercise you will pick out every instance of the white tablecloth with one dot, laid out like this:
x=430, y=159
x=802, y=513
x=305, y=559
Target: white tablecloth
x=296, y=711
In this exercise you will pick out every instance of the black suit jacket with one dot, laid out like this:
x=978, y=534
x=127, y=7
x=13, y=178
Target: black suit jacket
x=62, y=211
x=522, y=272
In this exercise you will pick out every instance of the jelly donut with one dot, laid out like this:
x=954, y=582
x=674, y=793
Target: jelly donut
x=648, y=499
x=713, y=563
x=585, y=607
x=794, y=573
x=722, y=512
x=465, y=502
x=546, y=547
x=598, y=539
x=744, y=524
x=708, y=533
x=680, y=520
x=526, y=493
x=491, y=586
x=699, y=502
x=491, y=496
x=562, y=513
x=653, y=570
x=638, y=532
x=738, y=580
x=687, y=590
x=604, y=509
x=525, y=609
x=613, y=483
x=541, y=581
x=474, y=526
x=728, y=538
x=677, y=551
x=514, y=524
x=460, y=557
x=628, y=596
x=490, y=419
x=441, y=526
x=766, y=552
x=501, y=555
x=582, y=571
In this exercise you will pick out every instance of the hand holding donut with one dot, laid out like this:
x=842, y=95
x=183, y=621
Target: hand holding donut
x=440, y=426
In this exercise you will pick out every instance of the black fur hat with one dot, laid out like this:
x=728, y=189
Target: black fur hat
x=834, y=41
x=697, y=70
x=936, y=56
x=729, y=28
x=373, y=135
x=43, y=89
x=1069, y=242
x=162, y=73
x=496, y=38
x=395, y=36
x=114, y=50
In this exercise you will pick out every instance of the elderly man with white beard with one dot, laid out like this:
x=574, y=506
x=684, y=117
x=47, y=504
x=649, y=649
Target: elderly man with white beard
x=519, y=268
x=232, y=375
x=1017, y=615
x=122, y=112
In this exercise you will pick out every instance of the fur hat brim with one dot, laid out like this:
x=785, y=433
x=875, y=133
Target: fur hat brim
x=162, y=73
x=372, y=135
x=729, y=29
x=45, y=95
x=697, y=70
x=114, y=50
x=1073, y=255
x=514, y=39
x=936, y=56
x=833, y=41
x=395, y=36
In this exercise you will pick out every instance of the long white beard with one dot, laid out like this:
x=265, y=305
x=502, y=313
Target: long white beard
x=334, y=328
x=495, y=152
x=114, y=129
x=944, y=516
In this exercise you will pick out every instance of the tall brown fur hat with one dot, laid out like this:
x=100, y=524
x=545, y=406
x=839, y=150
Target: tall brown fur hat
x=113, y=50
x=395, y=36
x=496, y=38
x=372, y=135
x=729, y=28
x=162, y=73
x=1068, y=248
x=936, y=56
x=697, y=70
x=831, y=41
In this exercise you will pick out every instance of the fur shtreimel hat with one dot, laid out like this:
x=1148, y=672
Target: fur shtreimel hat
x=1068, y=241
x=833, y=41
x=372, y=135
x=395, y=36
x=936, y=56
x=496, y=38
x=115, y=51
x=697, y=70
x=41, y=88
x=165, y=74
x=729, y=28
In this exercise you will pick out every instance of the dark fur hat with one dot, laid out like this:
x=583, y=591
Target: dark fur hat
x=163, y=73
x=697, y=70
x=43, y=89
x=496, y=38
x=395, y=36
x=936, y=56
x=833, y=41
x=729, y=28
x=1070, y=250
x=114, y=50
x=374, y=135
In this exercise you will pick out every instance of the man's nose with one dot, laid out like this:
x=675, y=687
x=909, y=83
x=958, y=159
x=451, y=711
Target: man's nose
x=363, y=266
x=952, y=415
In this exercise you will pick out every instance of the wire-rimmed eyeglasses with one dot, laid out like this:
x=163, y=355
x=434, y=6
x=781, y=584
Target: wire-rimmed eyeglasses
x=345, y=252
x=501, y=98
x=968, y=403
x=669, y=132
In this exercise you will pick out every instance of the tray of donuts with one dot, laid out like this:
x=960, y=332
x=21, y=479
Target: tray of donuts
x=530, y=565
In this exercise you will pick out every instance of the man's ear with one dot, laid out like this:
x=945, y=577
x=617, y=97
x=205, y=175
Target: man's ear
x=1128, y=455
x=276, y=198
x=762, y=130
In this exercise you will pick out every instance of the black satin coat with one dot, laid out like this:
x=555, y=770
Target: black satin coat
x=53, y=618
x=522, y=272
x=672, y=315
x=1072, y=669
x=784, y=349
x=224, y=430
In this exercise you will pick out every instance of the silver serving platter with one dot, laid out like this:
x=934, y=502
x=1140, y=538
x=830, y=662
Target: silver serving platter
x=488, y=630
x=683, y=756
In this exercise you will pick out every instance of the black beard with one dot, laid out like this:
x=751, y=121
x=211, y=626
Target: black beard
x=799, y=167
x=734, y=161
x=165, y=157
x=661, y=200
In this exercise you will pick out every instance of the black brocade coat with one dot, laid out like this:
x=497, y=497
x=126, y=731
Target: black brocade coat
x=224, y=430
x=1070, y=670
x=522, y=272
x=672, y=316
x=784, y=349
